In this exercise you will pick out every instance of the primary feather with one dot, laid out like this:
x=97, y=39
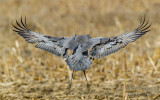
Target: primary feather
x=107, y=46
x=55, y=45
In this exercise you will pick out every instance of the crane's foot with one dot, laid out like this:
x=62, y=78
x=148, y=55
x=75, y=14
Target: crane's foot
x=69, y=86
x=88, y=86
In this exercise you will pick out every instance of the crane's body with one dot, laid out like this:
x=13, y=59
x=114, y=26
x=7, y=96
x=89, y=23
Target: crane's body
x=81, y=58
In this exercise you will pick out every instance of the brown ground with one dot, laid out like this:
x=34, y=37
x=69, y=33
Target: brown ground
x=28, y=73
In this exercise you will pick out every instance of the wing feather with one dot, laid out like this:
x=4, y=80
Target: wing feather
x=55, y=45
x=107, y=46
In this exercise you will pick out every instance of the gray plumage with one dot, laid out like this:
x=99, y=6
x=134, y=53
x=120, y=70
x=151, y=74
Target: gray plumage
x=81, y=59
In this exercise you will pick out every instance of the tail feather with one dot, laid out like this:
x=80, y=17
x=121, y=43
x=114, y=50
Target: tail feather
x=78, y=63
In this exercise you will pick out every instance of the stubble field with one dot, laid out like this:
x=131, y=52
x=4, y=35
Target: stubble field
x=28, y=73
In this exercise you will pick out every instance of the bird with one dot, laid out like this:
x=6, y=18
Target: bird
x=81, y=59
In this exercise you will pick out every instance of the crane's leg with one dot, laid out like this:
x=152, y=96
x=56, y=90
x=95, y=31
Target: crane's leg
x=70, y=83
x=88, y=86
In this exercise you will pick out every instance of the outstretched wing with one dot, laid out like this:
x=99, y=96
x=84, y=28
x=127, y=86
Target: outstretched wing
x=55, y=45
x=107, y=46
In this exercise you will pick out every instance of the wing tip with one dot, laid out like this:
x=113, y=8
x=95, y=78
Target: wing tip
x=144, y=26
x=20, y=27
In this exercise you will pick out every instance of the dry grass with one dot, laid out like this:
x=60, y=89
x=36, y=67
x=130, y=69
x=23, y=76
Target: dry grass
x=29, y=73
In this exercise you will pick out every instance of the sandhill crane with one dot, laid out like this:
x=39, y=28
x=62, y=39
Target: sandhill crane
x=81, y=59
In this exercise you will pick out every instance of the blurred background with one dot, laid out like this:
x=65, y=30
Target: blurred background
x=30, y=73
